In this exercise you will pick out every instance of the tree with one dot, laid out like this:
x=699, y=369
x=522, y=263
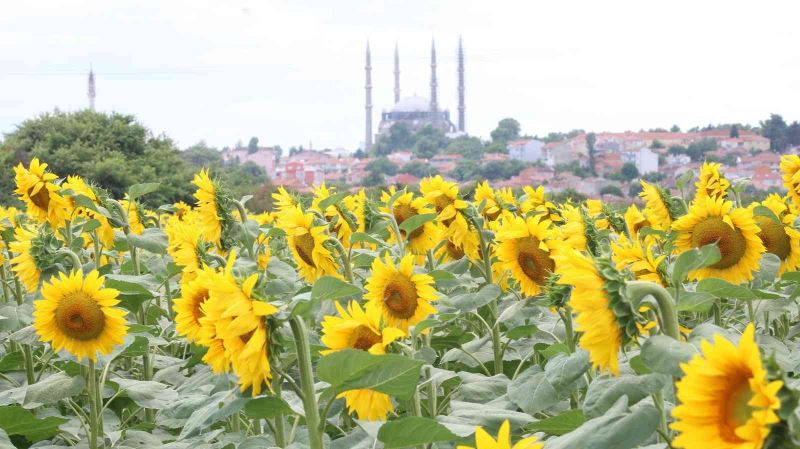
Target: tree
x=399, y=137
x=675, y=150
x=501, y=169
x=611, y=190
x=468, y=147
x=734, y=131
x=381, y=166
x=278, y=152
x=697, y=150
x=591, y=138
x=507, y=129
x=657, y=144
x=419, y=169
x=252, y=146
x=793, y=134
x=426, y=148
x=629, y=172
x=675, y=129
x=775, y=129
x=465, y=170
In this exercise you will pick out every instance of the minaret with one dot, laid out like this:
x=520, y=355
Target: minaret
x=368, y=106
x=396, y=74
x=434, y=101
x=91, y=91
x=461, y=106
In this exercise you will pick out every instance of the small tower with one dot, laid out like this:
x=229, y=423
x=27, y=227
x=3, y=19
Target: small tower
x=91, y=90
x=461, y=106
x=434, y=101
x=368, y=106
x=396, y=74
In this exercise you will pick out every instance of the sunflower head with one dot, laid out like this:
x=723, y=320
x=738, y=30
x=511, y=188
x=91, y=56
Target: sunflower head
x=35, y=255
x=725, y=397
x=790, y=168
x=405, y=206
x=306, y=240
x=78, y=314
x=400, y=295
x=485, y=441
x=659, y=208
x=711, y=182
x=213, y=210
x=37, y=189
x=523, y=249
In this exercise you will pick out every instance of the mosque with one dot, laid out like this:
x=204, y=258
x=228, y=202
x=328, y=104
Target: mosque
x=415, y=111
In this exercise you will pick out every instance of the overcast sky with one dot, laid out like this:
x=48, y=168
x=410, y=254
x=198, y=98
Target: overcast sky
x=292, y=72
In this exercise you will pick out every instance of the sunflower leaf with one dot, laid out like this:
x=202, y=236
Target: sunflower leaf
x=415, y=222
x=352, y=369
x=138, y=190
x=558, y=425
x=333, y=199
x=663, y=354
x=15, y=420
x=694, y=259
x=413, y=431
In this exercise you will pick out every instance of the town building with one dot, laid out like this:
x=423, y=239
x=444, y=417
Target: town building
x=526, y=150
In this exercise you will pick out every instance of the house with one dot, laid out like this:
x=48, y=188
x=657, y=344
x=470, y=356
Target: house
x=264, y=157
x=526, y=150
x=566, y=151
x=645, y=159
x=401, y=157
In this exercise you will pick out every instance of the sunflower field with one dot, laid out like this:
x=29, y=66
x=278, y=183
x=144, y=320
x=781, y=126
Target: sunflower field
x=423, y=319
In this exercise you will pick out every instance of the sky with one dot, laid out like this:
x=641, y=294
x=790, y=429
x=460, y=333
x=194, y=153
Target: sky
x=292, y=73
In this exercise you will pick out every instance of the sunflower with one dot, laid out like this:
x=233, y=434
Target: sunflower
x=182, y=210
x=77, y=185
x=422, y=239
x=711, y=182
x=185, y=244
x=592, y=302
x=485, y=441
x=77, y=314
x=495, y=201
x=357, y=329
x=234, y=318
x=209, y=212
x=523, y=250
x=632, y=255
x=189, y=306
x=282, y=200
x=779, y=236
x=28, y=263
x=402, y=297
x=307, y=243
x=635, y=221
x=357, y=205
x=733, y=230
x=451, y=251
x=726, y=400
x=134, y=216
x=573, y=231
x=535, y=202
x=343, y=220
x=657, y=208
x=36, y=189
x=443, y=196
x=790, y=167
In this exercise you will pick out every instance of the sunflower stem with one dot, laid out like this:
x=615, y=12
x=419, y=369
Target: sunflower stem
x=669, y=313
x=94, y=410
x=29, y=372
x=76, y=261
x=345, y=256
x=4, y=280
x=307, y=382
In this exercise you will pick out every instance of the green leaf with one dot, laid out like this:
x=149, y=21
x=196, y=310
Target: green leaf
x=767, y=212
x=619, y=428
x=151, y=239
x=138, y=190
x=662, y=354
x=267, y=408
x=791, y=276
x=521, y=332
x=147, y=393
x=694, y=259
x=12, y=361
x=724, y=289
x=352, y=369
x=413, y=431
x=329, y=287
x=604, y=392
x=558, y=425
x=361, y=237
x=218, y=407
x=532, y=392
x=411, y=224
x=695, y=302
x=468, y=302
x=333, y=199
x=563, y=371
x=53, y=389
x=15, y=420
x=769, y=265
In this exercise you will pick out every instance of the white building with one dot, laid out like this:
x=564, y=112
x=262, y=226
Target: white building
x=527, y=150
x=645, y=159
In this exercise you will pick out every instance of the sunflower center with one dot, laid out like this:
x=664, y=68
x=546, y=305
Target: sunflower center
x=730, y=241
x=41, y=198
x=454, y=251
x=736, y=409
x=400, y=297
x=535, y=262
x=80, y=317
x=364, y=338
x=640, y=225
x=304, y=244
x=199, y=299
x=402, y=213
x=773, y=236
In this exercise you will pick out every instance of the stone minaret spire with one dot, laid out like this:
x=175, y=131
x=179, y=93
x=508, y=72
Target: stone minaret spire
x=396, y=74
x=461, y=107
x=91, y=91
x=368, y=105
x=434, y=101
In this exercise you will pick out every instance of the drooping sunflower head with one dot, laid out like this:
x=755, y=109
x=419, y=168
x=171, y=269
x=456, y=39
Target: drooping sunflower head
x=36, y=188
x=400, y=295
x=34, y=252
x=77, y=314
x=405, y=206
x=658, y=208
x=790, y=167
x=733, y=230
x=573, y=231
x=605, y=318
x=725, y=398
x=523, y=249
x=213, y=210
x=711, y=182
x=283, y=200
x=485, y=441
x=307, y=243
x=75, y=185
x=356, y=328
x=185, y=244
x=189, y=306
x=632, y=255
x=634, y=221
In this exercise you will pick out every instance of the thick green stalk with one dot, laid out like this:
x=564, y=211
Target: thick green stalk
x=666, y=305
x=94, y=409
x=4, y=280
x=27, y=353
x=496, y=344
x=307, y=382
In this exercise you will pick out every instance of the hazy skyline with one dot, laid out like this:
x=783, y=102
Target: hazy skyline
x=291, y=73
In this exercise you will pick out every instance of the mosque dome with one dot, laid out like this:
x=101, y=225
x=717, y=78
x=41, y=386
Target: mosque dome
x=412, y=104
